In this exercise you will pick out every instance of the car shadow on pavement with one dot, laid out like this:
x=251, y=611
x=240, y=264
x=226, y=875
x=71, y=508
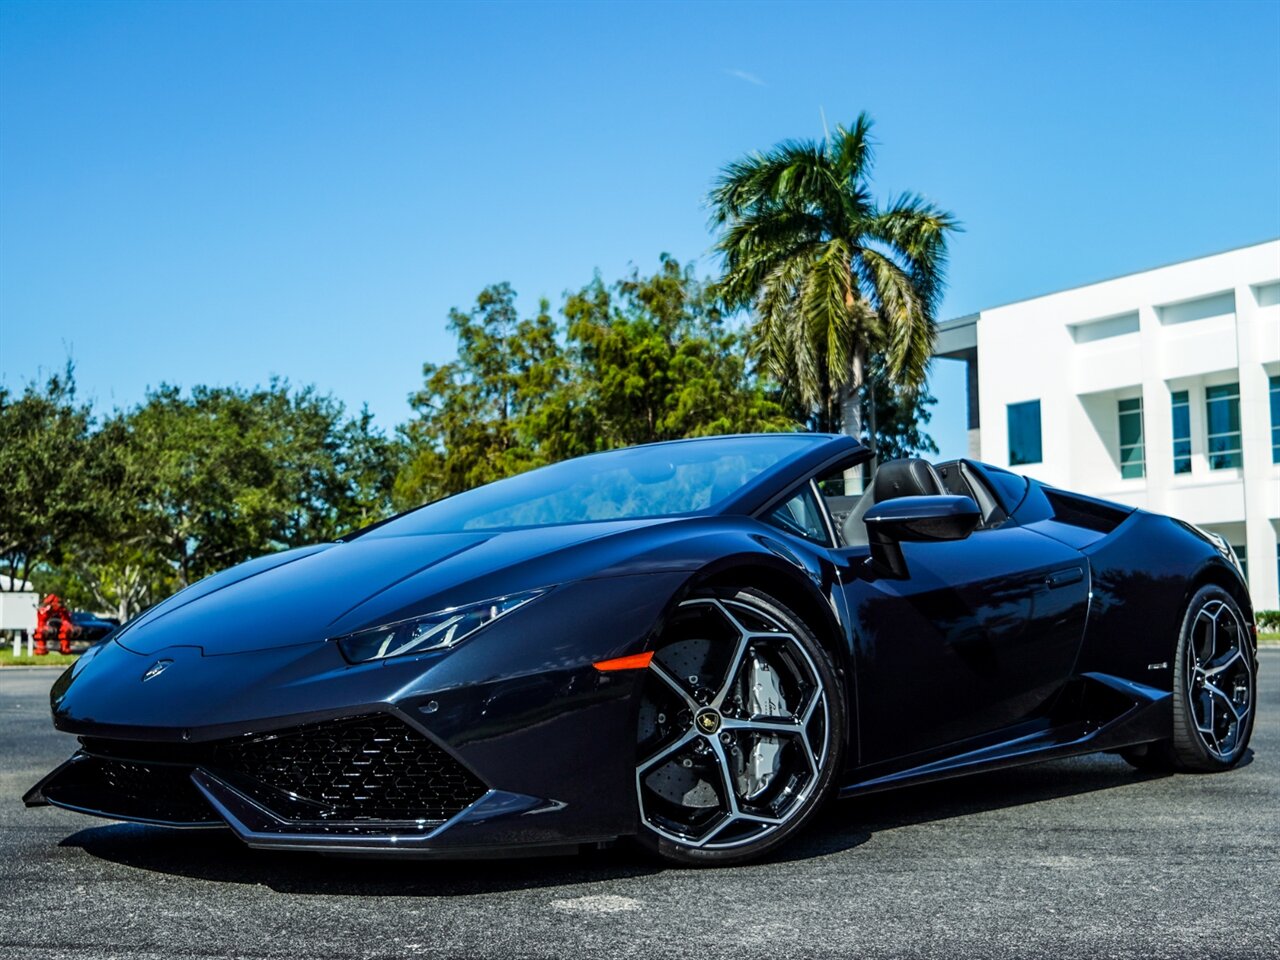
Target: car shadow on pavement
x=848, y=823
x=217, y=856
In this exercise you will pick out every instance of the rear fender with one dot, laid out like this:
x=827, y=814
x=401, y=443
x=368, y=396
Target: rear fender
x=1143, y=576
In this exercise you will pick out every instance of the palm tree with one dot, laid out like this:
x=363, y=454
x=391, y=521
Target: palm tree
x=834, y=278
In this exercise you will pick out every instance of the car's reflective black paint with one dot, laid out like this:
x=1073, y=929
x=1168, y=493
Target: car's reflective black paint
x=1049, y=633
x=90, y=628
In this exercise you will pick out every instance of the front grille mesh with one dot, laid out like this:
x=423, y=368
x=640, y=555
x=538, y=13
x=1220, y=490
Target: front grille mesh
x=361, y=768
x=356, y=768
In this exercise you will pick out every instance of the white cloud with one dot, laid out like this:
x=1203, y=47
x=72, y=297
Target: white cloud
x=746, y=77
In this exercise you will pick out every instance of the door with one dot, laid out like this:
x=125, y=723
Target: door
x=981, y=635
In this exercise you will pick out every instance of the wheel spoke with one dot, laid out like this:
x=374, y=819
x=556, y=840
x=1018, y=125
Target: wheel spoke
x=715, y=831
x=1204, y=712
x=1219, y=664
x=815, y=701
x=1231, y=704
x=735, y=667
x=1213, y=636
x=664, y=752
x=730, y=795
x=659, y=671
x=757, y=818
x=726, y=775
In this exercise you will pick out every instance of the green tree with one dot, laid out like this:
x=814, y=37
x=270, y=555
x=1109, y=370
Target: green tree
x=366, y=465
x=648, y=358
x=227, y=474
x=46, y=497
x=108, y=566
x=832, y=276
x=901, y=414
x=655, y=361
x=184, y=485
x=477, y=417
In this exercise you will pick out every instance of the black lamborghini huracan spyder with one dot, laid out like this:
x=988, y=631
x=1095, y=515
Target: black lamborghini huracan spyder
x=694, y=643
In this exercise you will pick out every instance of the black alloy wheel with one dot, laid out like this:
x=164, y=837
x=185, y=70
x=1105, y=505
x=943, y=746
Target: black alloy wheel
x=1214, y=690
x=741, y=730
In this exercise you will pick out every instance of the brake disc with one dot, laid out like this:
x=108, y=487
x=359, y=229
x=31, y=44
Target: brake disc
x=686, y=786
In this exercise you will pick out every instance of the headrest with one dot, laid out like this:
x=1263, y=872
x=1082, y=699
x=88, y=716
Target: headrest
x=906, y=478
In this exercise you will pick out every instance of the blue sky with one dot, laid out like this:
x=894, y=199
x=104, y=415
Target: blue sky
x=221, y=192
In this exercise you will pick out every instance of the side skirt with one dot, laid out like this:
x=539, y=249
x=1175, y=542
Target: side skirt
x=1108, y=713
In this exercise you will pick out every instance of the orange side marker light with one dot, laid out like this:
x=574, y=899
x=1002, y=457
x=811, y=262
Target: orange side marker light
x=637, y=661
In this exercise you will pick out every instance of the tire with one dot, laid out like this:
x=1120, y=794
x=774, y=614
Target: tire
x=1215, y=673
x=741, y=730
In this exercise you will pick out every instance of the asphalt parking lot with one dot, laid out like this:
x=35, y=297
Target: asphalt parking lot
x=1071, y=858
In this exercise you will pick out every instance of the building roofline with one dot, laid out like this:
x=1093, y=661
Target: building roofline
x=951, y=324
x=973, y=317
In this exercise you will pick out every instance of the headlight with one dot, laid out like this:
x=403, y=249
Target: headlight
x=433, y=631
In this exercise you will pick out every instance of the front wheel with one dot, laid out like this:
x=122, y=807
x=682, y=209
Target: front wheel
x=1214, y=690
x=741, y=730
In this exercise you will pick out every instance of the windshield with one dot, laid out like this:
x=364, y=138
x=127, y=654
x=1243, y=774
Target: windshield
x=660, y=480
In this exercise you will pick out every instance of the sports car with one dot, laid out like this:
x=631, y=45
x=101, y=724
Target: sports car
x=692, y=643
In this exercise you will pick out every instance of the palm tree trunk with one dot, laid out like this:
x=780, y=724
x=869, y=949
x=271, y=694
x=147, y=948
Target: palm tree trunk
x=851, y=412
x=873, y=430
x=853, y=415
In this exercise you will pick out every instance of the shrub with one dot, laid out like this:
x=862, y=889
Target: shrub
x=1268, y=619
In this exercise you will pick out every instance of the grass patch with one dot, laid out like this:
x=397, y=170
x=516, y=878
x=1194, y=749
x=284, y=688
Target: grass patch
x=1268, y=636
x=7, y=659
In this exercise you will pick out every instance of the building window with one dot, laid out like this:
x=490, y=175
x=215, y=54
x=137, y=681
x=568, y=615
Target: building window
x=1181, y=432
x=1222, y=414
x=1275, y=419
x=1133, y=460
x=1024, y=433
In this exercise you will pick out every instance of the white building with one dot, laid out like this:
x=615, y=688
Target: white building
x=1159, y=389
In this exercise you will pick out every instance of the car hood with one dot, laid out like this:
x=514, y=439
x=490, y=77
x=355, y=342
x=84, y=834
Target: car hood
x=314, y=593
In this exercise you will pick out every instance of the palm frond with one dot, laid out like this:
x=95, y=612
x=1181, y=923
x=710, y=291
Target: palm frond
x=755, y=245
x=852, y=150
x=908, y=326
x=795, y=174
x=918, y=230
x=828, y=297
x=781, y=337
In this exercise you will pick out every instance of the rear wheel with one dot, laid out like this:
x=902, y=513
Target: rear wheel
x=1214, y=690
x=741, y=730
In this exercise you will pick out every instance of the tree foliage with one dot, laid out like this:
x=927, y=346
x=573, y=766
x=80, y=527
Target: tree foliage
x=658, y=362
x=645, y=359
x=901, y=414
x=833, y=277
x=116, y=513
x=46, y=474
x=226, y=473
x=477, y=416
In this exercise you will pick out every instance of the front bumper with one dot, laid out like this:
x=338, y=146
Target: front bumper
x=512, y=741
x=369, y=784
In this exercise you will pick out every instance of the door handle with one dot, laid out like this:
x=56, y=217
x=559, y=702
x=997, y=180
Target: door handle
x=1061, y=578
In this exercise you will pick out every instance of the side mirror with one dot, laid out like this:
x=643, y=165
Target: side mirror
x=916, y=520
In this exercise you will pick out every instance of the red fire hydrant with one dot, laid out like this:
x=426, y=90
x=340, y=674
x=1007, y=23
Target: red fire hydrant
x=53, y=619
